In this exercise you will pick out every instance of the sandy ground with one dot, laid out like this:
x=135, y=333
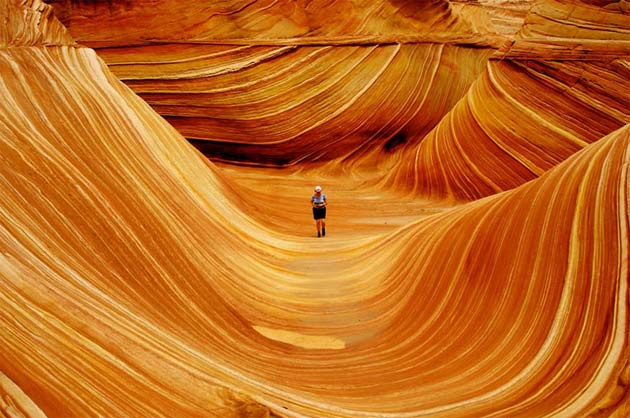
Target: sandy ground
x=355, y=208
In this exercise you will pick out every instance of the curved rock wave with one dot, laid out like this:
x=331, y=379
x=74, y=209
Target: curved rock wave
x=543, y=96
x=500, y=135
x=157, y=285
x=229, y=117
x=282, y=105
x=30, y=23
x=282, y=83
x=139, y=279
x=267, y=21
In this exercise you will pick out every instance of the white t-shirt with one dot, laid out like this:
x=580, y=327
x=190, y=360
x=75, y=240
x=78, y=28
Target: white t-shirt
x=318, y=200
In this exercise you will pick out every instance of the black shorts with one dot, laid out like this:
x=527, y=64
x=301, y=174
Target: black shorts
x=319, y=213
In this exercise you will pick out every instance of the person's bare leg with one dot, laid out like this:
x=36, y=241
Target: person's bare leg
x=323, y=227
x=318, y=223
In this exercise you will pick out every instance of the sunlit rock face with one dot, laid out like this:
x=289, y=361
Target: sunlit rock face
x=267, y=21
x=558, y=86
x=81, y=159
x=29, y=24
x=137, y=278
x=281, y=83
x=503, y=17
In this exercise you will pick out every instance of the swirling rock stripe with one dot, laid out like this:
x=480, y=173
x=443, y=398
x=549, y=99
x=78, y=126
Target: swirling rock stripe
x=501, y=229
x=500, y=135
x=504, y=17
x=597, y=20
x=539, y=101
x=283, y=105
x=276, y=83
x=72, y=283
x=31, y=22
x=168, y=299
x=570, y=30
x=148, y=305
x=264, y=21
x=14, y=402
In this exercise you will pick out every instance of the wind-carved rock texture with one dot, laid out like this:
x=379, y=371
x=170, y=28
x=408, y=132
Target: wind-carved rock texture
x=279, y=83
x=503, y=17
x=560, y=85
x=266, y=21
x=139, y=279
x=31, y=24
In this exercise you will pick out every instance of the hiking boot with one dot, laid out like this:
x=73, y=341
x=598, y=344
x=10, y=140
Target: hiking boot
x=323, y=232
x=318, y=234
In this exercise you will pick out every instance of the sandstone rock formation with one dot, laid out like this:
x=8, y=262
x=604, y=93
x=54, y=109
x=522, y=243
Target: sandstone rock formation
x=277, y=83
x=266, y=21
x=137, y=278
x=494, y=16
x=543, y=96
x=32, y=24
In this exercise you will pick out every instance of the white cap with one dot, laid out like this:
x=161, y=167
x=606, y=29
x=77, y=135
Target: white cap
x=318, y=188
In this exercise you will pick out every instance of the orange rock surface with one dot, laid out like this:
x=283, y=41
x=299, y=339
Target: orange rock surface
x=477, y=257
x=281, y=83
x=264, y=21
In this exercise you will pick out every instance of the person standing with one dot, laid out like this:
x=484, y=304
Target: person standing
x=318, y=201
